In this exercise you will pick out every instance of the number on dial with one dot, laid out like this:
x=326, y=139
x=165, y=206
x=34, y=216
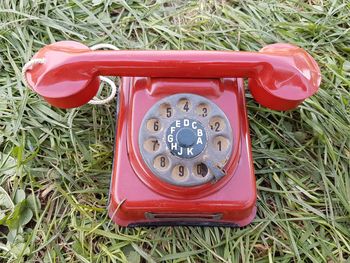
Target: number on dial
x=184, y=105
x=161, y=162
x=180, y=172
x=217, y=124
x=202, y=110
x=166, y=111
x=221, y=143
x=153, y=125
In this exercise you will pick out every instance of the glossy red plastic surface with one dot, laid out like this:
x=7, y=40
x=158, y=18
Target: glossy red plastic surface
x=281, y=75
x=135, y=192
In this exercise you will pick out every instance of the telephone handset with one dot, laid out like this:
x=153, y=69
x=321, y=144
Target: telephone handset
x=182, y=154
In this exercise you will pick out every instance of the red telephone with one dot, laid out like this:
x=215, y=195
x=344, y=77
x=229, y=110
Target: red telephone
x=182, y=148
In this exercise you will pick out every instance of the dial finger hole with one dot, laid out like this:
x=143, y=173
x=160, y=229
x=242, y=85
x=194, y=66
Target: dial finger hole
x=202, y=110
x=184, y=105
x=200, y=170
x=152, y=145
x=166, y=111
x=180, y=172
x=221, y=144
x=217, y=124
x=161, y=163
x=153, y=125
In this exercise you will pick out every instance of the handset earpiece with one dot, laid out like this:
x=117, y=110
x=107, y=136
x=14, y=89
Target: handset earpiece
x=287, y=87
x=281, y=76
x=58, y=82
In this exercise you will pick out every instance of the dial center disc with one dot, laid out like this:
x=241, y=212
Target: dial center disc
x=186, y=138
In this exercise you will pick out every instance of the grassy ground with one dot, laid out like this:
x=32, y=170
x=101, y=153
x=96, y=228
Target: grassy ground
x=55, y=164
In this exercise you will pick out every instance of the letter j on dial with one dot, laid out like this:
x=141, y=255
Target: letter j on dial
x=186, y=138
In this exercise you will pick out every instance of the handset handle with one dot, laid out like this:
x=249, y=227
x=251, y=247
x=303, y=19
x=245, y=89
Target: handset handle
x=281, y=76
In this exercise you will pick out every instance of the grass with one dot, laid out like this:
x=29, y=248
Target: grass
x=55, y=164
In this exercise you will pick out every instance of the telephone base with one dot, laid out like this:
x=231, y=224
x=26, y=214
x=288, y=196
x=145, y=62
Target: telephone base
x=139, y=198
